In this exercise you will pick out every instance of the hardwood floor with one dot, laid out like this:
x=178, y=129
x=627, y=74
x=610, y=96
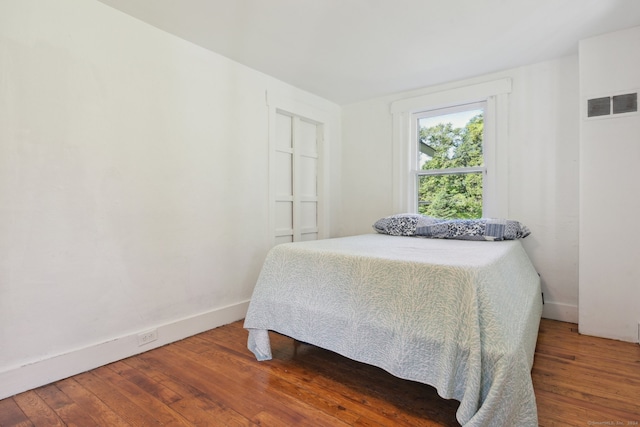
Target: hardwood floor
x=211, y=379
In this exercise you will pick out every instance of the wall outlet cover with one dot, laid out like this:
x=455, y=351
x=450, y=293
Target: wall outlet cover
x=147, y=337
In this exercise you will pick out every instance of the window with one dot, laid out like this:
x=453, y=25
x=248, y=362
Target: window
x=490, y=175
x=450, y=166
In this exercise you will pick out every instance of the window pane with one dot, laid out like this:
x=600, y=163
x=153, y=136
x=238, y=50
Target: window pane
x=451, y=140
x=283, y=173
x=309, y=215
x=308, y=138
x=308, y=177
x=283, y=132
x=450, y=196
x=284, y=216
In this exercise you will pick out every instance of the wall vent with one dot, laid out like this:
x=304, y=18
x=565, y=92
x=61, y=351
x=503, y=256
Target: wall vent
x=627, y=103
x=611, y=105
x=599, y=107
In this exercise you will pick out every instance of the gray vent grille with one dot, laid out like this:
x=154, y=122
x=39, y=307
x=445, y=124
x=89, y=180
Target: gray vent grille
x=599, y=107
x=617, y=104
x=625, y=103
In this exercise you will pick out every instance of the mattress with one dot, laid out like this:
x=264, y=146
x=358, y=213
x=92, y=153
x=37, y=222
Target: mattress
x=461, y=316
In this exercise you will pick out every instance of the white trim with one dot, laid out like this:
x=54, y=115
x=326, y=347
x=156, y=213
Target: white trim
x=495, y=93
x=452, y=97
x=560, y=311
x=22, y=378
x=403, y=158
x=497, y=156
x=451, y=171
x=296, y=107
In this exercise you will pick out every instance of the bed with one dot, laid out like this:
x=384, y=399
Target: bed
x=459, y=315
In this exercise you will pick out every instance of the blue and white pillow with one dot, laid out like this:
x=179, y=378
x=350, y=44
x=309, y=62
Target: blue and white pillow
x=493, y=229
x=402, y=224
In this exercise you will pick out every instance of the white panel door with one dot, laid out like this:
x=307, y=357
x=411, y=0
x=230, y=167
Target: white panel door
x=307, y=178
x=282, y=175
x=295, y=163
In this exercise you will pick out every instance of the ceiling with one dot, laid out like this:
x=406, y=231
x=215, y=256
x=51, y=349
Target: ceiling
x=351, y=50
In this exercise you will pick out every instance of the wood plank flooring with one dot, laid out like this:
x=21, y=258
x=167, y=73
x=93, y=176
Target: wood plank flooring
x=211, y=379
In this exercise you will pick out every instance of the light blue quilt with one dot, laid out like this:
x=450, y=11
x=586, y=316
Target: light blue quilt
x=461, y=316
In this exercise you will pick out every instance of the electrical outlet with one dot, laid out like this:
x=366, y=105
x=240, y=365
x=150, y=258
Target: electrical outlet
x=147, y=337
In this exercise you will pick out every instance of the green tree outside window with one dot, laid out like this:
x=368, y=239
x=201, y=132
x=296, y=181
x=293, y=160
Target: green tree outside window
x=457, y=195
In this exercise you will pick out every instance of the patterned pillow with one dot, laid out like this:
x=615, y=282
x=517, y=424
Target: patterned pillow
x=493, y=229
x=402, y=224
x=475, y=229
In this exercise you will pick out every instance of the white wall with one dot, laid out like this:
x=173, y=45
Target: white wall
x=543, y=169
x=609, y=202
x=133, y=187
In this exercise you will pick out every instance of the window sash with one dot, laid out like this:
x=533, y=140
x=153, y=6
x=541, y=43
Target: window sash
x=451, y=171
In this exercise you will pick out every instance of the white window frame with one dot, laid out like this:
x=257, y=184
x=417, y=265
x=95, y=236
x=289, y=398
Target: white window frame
x=496, y=184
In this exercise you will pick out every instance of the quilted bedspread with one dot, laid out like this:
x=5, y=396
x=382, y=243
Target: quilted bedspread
x=461, y=316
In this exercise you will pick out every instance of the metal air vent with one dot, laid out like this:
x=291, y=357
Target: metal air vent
x=612, y=105
x=627, y=103
x=599, y=107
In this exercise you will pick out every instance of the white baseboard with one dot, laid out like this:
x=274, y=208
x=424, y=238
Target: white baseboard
x=559, y=311
x=55, y=368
